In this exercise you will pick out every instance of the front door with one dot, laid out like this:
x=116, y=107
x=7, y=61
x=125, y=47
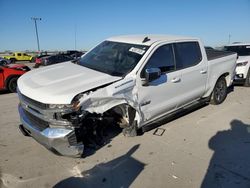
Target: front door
x=161, y=95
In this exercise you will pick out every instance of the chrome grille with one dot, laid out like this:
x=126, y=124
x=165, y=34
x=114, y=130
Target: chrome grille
x=72, y=139
x=36, y=122
x=33, y=102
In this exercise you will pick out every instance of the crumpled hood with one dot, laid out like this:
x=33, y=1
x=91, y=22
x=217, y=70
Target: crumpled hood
x=59, y=84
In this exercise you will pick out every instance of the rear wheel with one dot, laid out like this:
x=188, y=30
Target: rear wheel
x=220, y=91
x=12, y=84
x=32, y=60
x=12, y=60
x=36, y=65
x=247, y=81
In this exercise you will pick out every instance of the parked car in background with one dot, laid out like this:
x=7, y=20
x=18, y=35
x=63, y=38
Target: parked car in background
x=209, y=48
x=54, y=59
x=38, y=60
x=9, y=75
x=73, y=53
x=243, y=62
x=4, y=61
x=127, y=81
x=19, y=56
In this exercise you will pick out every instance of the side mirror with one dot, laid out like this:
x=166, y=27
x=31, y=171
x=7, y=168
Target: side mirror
x=152, y=74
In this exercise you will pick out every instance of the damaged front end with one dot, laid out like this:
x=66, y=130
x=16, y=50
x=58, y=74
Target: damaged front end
x=68, y=129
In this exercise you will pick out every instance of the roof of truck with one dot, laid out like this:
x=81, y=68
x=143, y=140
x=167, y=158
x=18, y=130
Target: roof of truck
x=148, y=39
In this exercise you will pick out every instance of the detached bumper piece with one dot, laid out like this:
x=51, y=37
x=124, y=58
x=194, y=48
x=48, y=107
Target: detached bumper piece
x=61, y=141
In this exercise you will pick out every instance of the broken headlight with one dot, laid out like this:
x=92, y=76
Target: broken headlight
x=60, y=106
x=74, y=104
x=242, y=64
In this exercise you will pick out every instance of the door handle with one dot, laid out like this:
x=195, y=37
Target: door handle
x=175, y=80
x=203, y=71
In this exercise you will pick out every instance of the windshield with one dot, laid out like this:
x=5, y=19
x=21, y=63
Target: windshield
x=240, y=50
x=113, y=58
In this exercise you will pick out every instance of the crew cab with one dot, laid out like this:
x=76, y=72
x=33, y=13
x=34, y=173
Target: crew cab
x=243, y=62
x=19, y=56
x=9, y=75
x=128, y=81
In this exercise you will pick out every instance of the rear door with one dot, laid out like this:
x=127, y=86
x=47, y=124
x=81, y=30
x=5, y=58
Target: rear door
x=193, y=69
x=25, y=57
x=19, y=57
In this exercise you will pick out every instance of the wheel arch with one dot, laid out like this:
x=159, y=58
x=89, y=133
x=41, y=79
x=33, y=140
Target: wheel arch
x=6, y=82
x=226, y=75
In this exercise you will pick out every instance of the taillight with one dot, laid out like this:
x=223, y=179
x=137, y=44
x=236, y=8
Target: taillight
x=38, y=60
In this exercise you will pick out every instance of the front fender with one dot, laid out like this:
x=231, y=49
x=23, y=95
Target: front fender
x=118, y=93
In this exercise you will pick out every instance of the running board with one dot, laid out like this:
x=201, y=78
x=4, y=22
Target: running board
x=176, y=114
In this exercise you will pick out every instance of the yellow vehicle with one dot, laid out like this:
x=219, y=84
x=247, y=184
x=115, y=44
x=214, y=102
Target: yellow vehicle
x=19, y=56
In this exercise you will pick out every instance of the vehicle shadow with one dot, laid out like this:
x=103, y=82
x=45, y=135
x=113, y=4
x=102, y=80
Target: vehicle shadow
x=119, y=172
x=102, y=138
x=230, y=164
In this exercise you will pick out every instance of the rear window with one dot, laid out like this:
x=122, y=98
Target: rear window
x=187, y=54
x=243, y=50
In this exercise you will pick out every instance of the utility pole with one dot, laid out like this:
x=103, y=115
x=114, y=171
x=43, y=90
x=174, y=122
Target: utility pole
x=37, y=38
x=75, y=37
x=229, y=38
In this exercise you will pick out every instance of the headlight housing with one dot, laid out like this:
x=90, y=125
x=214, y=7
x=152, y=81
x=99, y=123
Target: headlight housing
x=75, y=104
x=60, y=106
x=242, y=64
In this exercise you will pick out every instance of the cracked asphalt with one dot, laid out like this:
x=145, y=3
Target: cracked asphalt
x=209, y=147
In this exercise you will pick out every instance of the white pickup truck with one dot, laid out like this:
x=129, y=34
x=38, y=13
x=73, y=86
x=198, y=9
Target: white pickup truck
x=243, y=62
x=128, y=81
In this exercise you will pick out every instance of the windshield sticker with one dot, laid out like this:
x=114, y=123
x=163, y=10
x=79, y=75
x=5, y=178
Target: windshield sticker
x=137, y=50
x=247, y=46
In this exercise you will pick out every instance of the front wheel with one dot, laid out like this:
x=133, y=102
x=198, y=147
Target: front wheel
x=220, y=91
x=12, y=85
x=3, y=62
x=247, y=81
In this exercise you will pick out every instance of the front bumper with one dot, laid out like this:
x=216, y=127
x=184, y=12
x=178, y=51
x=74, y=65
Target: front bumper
x=56, y=140
x=241, y=72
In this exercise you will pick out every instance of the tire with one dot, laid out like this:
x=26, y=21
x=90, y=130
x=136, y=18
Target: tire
x=12, y=84
x=3, y=62
x=32, y=60
x=247, y=81
x=130, y=131
x=219, y=93
x=13, y=60
x=36, y=65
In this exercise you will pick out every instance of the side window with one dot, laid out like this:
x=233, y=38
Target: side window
x=162, y=58
x=187, y=54
x=18, y=54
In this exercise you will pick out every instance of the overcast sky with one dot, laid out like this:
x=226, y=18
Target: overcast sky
x=91, y=21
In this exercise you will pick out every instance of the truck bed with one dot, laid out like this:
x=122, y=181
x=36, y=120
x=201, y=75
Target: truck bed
x=214, y=54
